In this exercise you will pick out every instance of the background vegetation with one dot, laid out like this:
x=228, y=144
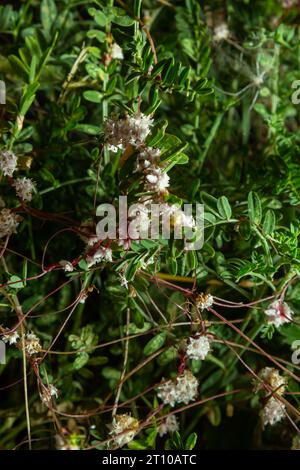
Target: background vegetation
x=217, y=77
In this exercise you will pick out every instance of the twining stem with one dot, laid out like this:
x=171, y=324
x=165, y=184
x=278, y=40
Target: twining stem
x=126, y=348
x=19, y=312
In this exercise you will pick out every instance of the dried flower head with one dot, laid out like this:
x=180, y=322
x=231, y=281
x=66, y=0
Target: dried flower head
x=32, y=344
x=273, y=379
x=124, y=428
x=25, y=188
x=169, y=425
x=8, y=162
x=9, y=222
x=198, y=347
x=204, y=301
x=181, y=390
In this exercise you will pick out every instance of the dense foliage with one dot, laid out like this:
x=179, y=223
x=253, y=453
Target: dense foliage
x=99, y=334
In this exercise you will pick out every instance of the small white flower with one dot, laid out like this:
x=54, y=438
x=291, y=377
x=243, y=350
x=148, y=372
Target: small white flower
x=146, y=158
x=66, y=265
x=47, y=393
x=9, y=222
x=8, y=162
x=102, y=254
x=123, y=280
x=181, y=390
x=271, y=377
x=32, y=344
x=83, y=297
x=198, y=347
x=273, y=412
x=25, y=187
x=157, y=180
x=169, y=425
x=129, y=130
x=10, y=337
x=221, y=32
x=278, y=313
x=204, y=301
x=124, y=428
x=116, y=51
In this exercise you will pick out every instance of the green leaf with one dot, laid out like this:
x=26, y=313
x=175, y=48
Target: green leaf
x=254, y=208
x=17, y=282
x=88, y=129
x=224, y=207
x=95, y=34
x=98, y=16
x=93, y=96
x=120, y=17
x=157, y=134
x=269, y=222
x=191, y=441
x=48, y=16
x=80, y=360
x=155, y=343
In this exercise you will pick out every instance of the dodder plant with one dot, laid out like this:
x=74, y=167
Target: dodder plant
x=134, y=342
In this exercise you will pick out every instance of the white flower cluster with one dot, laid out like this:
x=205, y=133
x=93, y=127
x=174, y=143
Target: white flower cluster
x=47, y=393
x=278, y=313
x=181, y=390
x=10, y=337
x=204, y=301
x=131, y=130
x=274, y=410
x=147, y=157
x=8, y=162
x=102, y=254
x=9, y=222
x=124, y=428
x=25, y=187
x=116, y=52
x=198, y=347
x=221, y=32
x=32, y=344
x=169, y=425
x=156, y=179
